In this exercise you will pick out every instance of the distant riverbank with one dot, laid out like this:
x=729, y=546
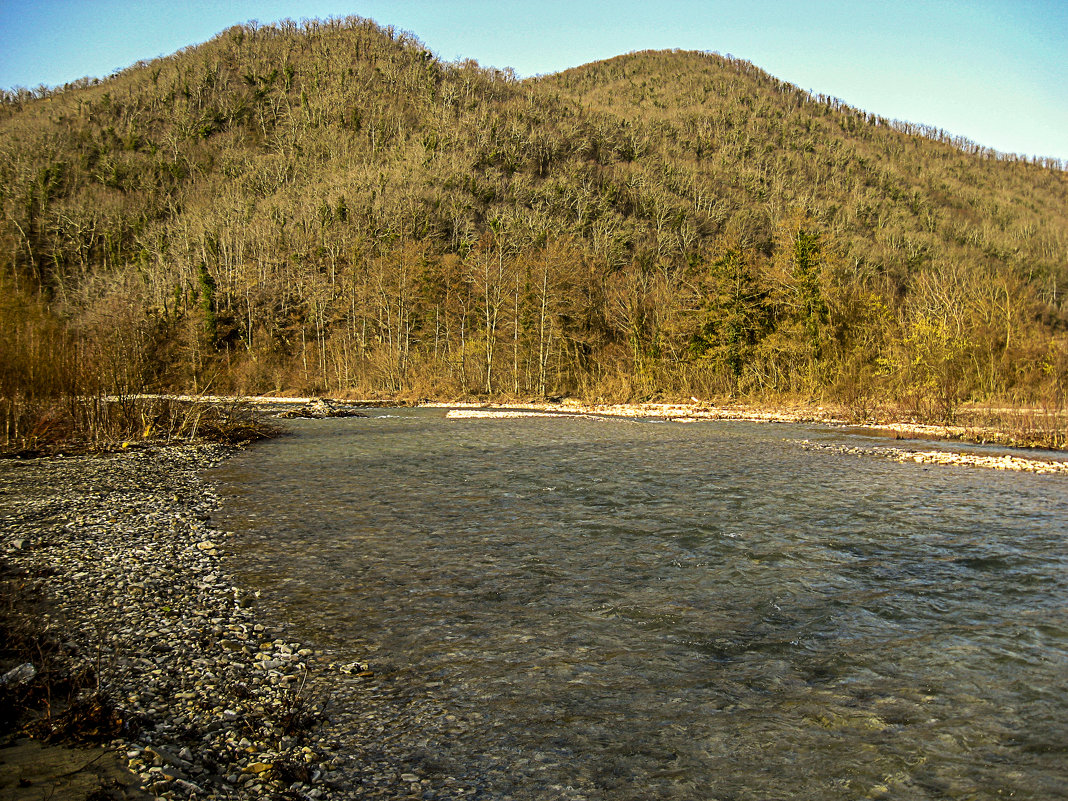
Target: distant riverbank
x=898, y=431
x=1029, y=450
x=108, y=423
x=1013, y=427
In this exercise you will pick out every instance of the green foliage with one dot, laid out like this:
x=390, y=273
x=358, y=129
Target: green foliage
x=811, y=308
x=735, y=316
x=207, y=286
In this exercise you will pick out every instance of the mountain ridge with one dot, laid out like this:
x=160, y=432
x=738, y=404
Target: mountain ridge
x=330, y=207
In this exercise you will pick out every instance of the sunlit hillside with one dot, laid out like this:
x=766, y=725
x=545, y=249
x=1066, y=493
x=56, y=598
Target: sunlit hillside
x=330, y=208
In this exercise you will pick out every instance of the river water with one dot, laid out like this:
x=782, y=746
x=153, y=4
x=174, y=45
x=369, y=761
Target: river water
x=625, y=609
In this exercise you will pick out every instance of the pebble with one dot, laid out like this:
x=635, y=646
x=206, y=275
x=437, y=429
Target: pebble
x=1004, y=462
x=19, y=675
x=135, y=562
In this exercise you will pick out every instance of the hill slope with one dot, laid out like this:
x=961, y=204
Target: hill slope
x=329, y=207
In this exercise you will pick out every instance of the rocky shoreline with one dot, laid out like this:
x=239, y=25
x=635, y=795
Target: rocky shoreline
x=208, y=701
x=903, y=455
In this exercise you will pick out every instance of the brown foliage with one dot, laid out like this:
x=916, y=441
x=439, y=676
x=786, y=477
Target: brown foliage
x=327, y=207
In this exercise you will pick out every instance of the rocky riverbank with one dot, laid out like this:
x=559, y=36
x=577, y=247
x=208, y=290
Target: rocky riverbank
x=196, y=695
x=191, y=683
x=990, y=462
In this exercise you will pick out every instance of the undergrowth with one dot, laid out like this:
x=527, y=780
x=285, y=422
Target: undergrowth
x=100, y=424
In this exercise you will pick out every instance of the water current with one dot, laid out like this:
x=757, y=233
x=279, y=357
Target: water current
x=626, y=609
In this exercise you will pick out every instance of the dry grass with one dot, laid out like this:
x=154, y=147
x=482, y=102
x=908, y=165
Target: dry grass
x=102, y=423
x=60, y=702
x=1029, y=427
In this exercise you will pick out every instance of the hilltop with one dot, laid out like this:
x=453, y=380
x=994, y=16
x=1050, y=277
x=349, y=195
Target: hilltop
x=328, y=207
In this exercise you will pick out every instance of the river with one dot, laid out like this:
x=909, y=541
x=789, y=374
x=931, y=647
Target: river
x=624, y=609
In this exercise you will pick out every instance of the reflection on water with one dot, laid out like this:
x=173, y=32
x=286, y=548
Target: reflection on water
x=621, y=609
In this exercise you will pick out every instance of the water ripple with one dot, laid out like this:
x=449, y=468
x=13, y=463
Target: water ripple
x=681, y=612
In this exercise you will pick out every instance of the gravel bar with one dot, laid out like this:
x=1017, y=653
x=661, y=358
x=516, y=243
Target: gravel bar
x=216, y=704
x=959, y=459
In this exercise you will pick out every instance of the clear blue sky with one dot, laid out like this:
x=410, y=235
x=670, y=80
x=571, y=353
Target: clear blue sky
x=995, y=71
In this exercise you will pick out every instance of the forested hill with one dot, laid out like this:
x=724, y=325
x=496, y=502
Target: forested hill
x=329, y=207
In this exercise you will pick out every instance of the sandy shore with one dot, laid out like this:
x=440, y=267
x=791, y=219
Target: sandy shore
x=677, y=412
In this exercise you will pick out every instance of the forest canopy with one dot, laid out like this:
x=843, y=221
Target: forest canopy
x=327, y=207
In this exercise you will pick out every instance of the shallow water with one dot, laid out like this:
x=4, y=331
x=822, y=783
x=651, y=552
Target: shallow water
x=620, y=609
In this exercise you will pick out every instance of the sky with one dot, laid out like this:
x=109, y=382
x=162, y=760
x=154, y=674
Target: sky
x=993, y=71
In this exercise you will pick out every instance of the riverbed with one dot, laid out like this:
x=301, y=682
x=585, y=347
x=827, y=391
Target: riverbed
x=592, y=608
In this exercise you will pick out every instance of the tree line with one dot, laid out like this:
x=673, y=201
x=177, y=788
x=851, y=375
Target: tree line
x=328, y=207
